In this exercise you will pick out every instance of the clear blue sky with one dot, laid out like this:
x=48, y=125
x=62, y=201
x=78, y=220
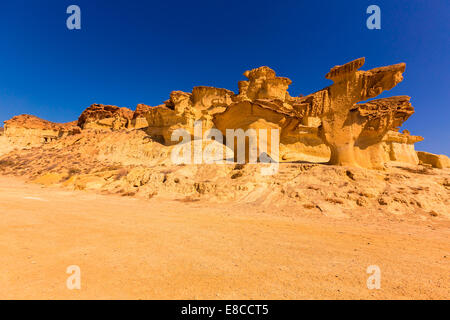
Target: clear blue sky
x=131, y=52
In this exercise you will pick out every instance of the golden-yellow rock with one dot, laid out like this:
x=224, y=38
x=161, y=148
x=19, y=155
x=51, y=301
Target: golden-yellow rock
x=139, y=121
x=28, y=131
x=105, y=117
x=439, y=161
x=330, y=125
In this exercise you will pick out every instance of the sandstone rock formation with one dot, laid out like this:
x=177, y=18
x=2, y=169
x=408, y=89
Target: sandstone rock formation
x=399, y=147
x=5, y=145
x=139, y=121
x=263, y=102
x=263, y=84
x=105, y=117
x=332, y=125
x=183, y=109
x=26, y=130
x=354, y=131
x=329, y=123
x=439, y=161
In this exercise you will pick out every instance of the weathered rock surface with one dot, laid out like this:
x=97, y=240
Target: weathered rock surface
x=27, y=130
x=139, y=121
x=130, y=163
x=400, y=147
x=354, y=131
x=328, y=124
x=263, y=84
x=105, y=117
x=183, y=109
x=263, y=102
x=439, y=161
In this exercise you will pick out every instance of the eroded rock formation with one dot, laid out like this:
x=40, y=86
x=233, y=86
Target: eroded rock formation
x=139, y=121
x=263, y=102
x=183, y=109
x=332, y=125
x=105, y=117
x=27, y=130
x=354, y=131
x=329, y=123
x=439, y=161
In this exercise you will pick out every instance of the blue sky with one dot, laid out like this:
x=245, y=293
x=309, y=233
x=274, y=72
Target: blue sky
x=131, y=52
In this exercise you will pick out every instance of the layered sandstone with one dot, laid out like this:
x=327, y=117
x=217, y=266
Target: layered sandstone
x=328, y=125
x=139, y=121
x=354, y=131
x=399, y=147
x=5, y=145
x=263, y=83
x=331, y=125
x=439, y=161
x=183, y=109
x=105, y=117
x=27, y=130
x=263, y=102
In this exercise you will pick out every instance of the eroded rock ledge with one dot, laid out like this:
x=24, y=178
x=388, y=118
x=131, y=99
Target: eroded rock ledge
x=27, y=130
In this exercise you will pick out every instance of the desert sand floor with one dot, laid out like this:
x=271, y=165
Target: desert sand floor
x=130, y=248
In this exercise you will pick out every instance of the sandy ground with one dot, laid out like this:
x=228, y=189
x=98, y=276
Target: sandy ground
x=130, y=248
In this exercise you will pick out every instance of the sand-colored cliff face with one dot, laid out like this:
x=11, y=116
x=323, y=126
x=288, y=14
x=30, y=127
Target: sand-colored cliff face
x=26, y=131
x=5, y=145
